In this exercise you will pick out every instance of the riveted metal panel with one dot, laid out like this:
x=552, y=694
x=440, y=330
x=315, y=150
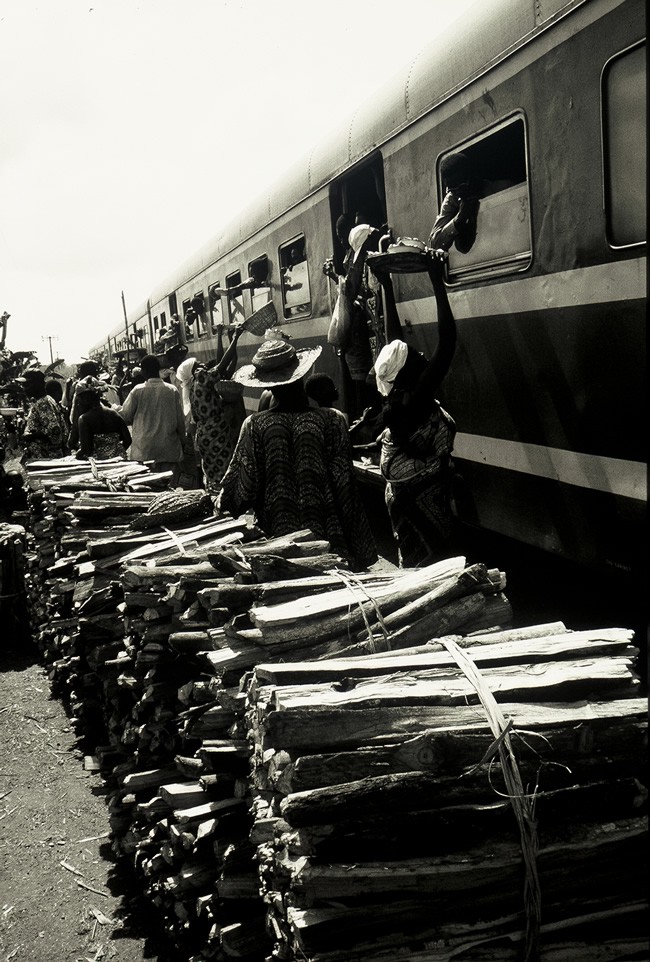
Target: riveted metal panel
x=379, y=117
x=547, y=9
x=447, y=63
x=330, y=156
x=294, y=186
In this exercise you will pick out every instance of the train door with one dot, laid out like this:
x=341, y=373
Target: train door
x=358, y=197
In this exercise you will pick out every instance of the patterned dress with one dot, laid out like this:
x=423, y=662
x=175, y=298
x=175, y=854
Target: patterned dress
x=294, y=469
x=108, y=446
x=418, y=489
x=46, y=430
x=218, y=411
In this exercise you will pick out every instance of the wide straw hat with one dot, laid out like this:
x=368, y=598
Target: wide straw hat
x=277, y=362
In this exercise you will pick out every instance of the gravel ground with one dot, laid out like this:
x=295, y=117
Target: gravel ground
x=62, y=898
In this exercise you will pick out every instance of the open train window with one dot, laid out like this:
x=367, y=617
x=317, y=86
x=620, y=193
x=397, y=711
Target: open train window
x=216, y=308
x=235, y=297
x=188, y=319
x=496, y=173
x=358, y=196
x=296, y=293
x=623, y=95
x=259, y=271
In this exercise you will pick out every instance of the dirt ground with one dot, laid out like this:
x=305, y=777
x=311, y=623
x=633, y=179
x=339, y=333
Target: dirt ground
x=62, y=897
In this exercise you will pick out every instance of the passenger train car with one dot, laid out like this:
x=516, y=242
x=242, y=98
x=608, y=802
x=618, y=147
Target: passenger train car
x=547, y=97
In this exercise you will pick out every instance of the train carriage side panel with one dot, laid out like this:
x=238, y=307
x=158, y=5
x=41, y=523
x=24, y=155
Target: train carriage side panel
x=547, y=384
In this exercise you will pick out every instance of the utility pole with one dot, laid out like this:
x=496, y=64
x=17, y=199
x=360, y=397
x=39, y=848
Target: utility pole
x=4, y=317
x=126, y=321
x=49, y=338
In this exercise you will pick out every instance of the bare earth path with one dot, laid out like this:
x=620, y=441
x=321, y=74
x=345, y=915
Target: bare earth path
x=61, y=897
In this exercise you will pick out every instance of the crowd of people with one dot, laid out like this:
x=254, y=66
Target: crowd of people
x=290, y=463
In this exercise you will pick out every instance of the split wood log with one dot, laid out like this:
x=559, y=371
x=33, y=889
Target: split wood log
x=183, y=794
x=491, y=637
x=412, y=792
x=450, y=752
x=559, y=681
x=347, y=601
x=151, y=778
x=317, y=728
x=138, y=576
x=397, y=932
x=511, y=651
x=599, y=853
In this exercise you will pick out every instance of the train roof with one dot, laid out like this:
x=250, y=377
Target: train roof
x=454, y=58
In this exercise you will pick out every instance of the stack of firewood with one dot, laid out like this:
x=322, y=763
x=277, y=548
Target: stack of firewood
x=351, y=743
x=394, y=828
x=188, y=828
x=13, y=609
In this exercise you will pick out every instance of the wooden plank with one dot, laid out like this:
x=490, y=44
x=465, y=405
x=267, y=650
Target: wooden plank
x=319, y=728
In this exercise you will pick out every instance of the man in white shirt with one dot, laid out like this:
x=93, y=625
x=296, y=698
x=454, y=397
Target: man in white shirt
x=155, y=411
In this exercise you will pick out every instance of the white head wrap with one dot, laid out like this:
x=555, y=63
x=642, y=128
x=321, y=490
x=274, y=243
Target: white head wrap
x=390, y=361
x=184, y=375
x=358, y=236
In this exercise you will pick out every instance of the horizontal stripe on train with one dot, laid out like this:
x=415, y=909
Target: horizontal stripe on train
x=626, y=479
x=619, y=281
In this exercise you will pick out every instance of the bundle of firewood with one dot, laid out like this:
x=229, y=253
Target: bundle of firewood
x=395, y=827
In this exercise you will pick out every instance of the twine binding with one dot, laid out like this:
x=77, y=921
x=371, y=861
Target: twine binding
x=523, y=804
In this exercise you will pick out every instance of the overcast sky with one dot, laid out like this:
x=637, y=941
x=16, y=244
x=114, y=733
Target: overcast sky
x=130, y=130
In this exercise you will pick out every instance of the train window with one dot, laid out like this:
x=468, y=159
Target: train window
x=235, y=298
x=359, y=194
x=296, y=294
x=155, y=323
x=624, y=146
x=189, y=317
x=163, y=318
x=198, y=306
x=216, y=309
x=496, y=173
x=259, y=271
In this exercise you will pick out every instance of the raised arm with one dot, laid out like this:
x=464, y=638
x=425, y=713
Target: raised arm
x=437, y=368
x=224, y=365
x=392, y=324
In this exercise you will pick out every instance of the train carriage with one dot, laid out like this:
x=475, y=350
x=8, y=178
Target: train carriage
x=547, y=385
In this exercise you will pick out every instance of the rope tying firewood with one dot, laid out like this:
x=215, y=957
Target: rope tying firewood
x=355, y=585
x=523, y=804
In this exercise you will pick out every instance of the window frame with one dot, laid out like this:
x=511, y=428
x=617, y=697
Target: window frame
x=230, y=297
x=515, y=265
x=606, y=179
x=300, y=236
x=267, y=286
x=212, y=302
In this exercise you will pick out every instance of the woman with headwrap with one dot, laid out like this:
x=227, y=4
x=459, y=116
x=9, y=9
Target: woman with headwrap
x=100, y=432
x=46, y=430
x=418, y=435
x=217, y=409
